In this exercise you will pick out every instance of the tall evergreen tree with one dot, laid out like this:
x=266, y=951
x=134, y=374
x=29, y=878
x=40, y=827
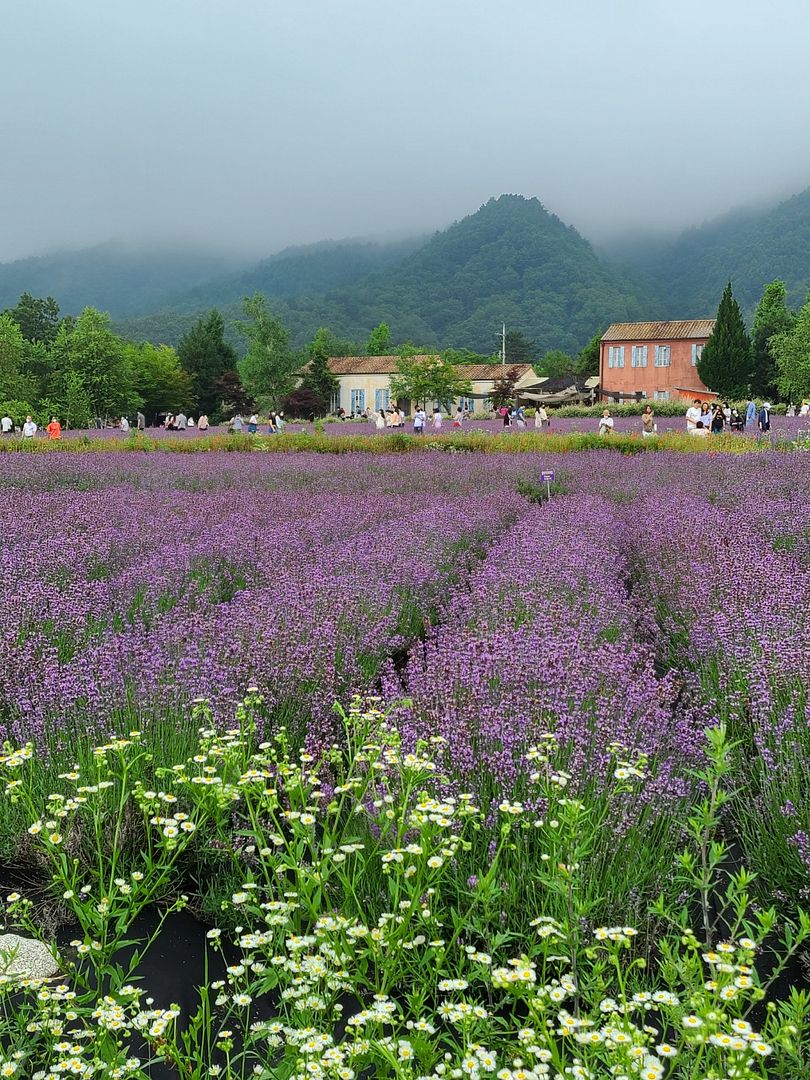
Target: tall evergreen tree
x=207, y=356
x=725, y=364
x=319, y=381
x=771, y=317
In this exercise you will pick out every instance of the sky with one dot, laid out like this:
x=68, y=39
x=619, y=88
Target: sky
x=249, y=125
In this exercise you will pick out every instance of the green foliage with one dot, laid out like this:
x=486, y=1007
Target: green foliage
x=379, y=342
x=17, y=410
x=13, y=356
x=587, y=362
x=519, y=349
x=318, y=383
x=555, y=363
x=725, y=363
x=75, y=406
x=90, y=349
x=423, y=379
x=162, y=382
x=268, y=369
x=770, y=318
x=206, y=356
x=37, y=317
x=791, y=348
x=460, y=934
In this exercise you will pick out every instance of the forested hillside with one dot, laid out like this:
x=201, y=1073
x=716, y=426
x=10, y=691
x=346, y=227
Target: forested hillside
x=750, y=248
x=511, y=262
x=112, y=277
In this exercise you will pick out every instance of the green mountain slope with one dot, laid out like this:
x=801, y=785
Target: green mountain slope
x=110, y=276
x=749, y=247
x=511, y=261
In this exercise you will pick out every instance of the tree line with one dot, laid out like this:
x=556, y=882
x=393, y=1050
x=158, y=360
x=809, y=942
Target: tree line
x=772, y=361
x=78, y=369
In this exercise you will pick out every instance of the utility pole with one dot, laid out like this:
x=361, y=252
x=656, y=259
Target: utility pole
x=503, y=343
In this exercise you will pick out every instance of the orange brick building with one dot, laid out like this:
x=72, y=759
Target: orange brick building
x=655, y=360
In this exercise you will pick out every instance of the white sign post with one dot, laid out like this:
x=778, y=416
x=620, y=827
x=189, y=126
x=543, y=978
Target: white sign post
x=547, y=478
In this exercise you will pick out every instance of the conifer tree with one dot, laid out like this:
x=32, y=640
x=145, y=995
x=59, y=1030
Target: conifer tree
x=725, y=364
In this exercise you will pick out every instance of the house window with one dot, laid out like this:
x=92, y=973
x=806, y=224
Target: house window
x=662, y=355
x=382, y=399
x=358, y=401
x=334, y=402
x=697, y=352
x=638, y=356
x=662, y=395
x=467, y=403
x=616, y=356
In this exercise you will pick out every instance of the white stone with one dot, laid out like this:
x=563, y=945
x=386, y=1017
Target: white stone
x=26, y=956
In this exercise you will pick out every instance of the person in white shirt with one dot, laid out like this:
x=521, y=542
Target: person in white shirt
x=29, y=428
x=202, y=423
x=7, y=425
x=124, y=424
x=699, y=430
x=190, y=422
x=180, y=421
x=419, y=418
x=605, y=423
x=693, y=415
x=437, y=420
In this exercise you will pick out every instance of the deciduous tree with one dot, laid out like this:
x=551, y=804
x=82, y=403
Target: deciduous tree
x=423, y=379
x=160, y=378
x=36, y=316
x=268, y=370
x=791, y=349
x=770, y=318
x=90, y=349
x=379, y=342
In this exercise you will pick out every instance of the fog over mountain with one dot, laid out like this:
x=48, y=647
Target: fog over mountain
x=249, y=127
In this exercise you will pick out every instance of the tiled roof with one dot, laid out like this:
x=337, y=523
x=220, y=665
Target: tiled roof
x=388, y=365
x=659, y=331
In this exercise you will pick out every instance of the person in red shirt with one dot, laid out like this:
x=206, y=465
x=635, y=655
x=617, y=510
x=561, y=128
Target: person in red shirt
x=54, y=429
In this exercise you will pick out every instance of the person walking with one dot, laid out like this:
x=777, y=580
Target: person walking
x=458, y=418
x=140, y=421
x=750, y=413
x=419, y=418
x=437, y=420
x=605, y=423
x=505, y=415
x=520, y=416
x=54, y=430
x=648, y=424
x=764, y=418
x=736, y=423
x=237, y=423
x=7, y=425
x=253, y=424
x=29, y=428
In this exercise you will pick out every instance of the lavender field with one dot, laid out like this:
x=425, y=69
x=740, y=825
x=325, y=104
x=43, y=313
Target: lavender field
x=570, y=722
x=652, y=597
